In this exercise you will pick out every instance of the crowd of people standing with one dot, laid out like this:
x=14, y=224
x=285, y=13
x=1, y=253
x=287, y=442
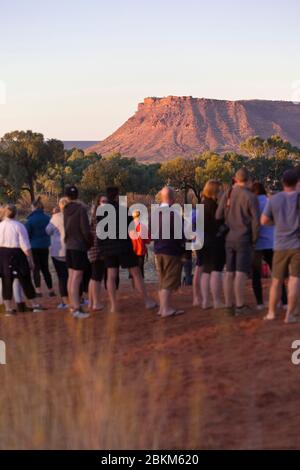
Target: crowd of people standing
x=243, y=228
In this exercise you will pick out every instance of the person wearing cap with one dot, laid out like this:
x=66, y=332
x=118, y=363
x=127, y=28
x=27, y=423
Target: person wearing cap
x=283, y=211
x=16, y=260
x=78, y=240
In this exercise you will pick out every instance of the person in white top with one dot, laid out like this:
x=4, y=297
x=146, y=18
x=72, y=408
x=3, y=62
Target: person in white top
x=56, y=230
x=15, y=259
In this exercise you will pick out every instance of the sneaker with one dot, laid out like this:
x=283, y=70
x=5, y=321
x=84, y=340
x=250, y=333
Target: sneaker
x=244, y=310
x=37, y=309
x=62, y=306
x=291, y=319
x=80, y=315
x=11, y=313
x=22, y=307
x=260, y=307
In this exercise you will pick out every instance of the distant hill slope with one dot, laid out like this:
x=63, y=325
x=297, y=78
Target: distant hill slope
x=79, y=144
x=166, y=127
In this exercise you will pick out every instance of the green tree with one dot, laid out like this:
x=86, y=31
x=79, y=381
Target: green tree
x=24, y=156
x=214, y=167
x=181, y=174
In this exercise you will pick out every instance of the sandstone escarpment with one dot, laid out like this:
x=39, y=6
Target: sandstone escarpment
x=163, y=128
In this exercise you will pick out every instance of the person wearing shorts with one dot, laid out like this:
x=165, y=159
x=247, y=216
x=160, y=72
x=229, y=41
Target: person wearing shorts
x=239, y=209
x=263, y=250
x=97, y=273
x=168, y=255
x=118, y=251
x=78, y=240
x=283, y=211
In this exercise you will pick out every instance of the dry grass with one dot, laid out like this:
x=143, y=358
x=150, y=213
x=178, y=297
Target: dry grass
x=132, y=381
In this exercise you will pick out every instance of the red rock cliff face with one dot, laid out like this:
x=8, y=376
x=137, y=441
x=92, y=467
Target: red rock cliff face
x=163, y=128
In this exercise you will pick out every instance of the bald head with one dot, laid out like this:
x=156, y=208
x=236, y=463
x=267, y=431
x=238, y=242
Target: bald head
x=167, y=195
x=242, y=176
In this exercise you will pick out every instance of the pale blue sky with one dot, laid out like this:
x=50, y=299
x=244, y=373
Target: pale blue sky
x=77, y=69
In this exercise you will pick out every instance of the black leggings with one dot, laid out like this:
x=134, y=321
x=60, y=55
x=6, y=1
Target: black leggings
x=258, y=257
x=41, y=264
x=26, y=283
x=62, y=274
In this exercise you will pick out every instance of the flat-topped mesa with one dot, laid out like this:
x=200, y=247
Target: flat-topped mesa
x=154, y=100
x=166, y=127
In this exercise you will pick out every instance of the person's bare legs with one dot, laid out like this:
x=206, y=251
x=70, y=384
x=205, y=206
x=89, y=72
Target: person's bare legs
x=239, y=288
x=293, y=299
x=274, y=296
x=196, y=286
x=165, y=302
x=112, y=274
x=139, y=285
x=74, y=288
x=216, y=288
x=95, y=295
x=205, y=278
x=228, y=288
x=69, y=285
x=8, y=304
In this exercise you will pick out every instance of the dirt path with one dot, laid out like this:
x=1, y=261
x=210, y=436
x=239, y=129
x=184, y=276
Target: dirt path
x=203, y=380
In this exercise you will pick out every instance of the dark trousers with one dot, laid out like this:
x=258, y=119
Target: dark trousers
x=62, y=275
x=41, y=264
x=141, y=263
x=258, y=257
x=26, y=283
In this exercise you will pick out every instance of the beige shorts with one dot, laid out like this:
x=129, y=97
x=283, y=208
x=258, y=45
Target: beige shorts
x=286, y=263
x=169, y=271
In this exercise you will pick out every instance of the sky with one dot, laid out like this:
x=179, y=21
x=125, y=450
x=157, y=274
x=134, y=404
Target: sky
x=76, y=70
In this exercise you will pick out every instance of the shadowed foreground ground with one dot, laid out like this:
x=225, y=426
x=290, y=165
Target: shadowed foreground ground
x=203, y=380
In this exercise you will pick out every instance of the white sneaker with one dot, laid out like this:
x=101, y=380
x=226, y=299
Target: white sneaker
x=260, y=307
x=37, y=309
x=62, y=306
x=80, y=315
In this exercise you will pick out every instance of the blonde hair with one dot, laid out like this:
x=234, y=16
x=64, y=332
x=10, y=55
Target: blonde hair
x=211, y=189
x=63, y=202
x=136, y=214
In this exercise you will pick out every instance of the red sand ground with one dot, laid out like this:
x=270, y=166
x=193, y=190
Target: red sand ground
x=203, y=380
